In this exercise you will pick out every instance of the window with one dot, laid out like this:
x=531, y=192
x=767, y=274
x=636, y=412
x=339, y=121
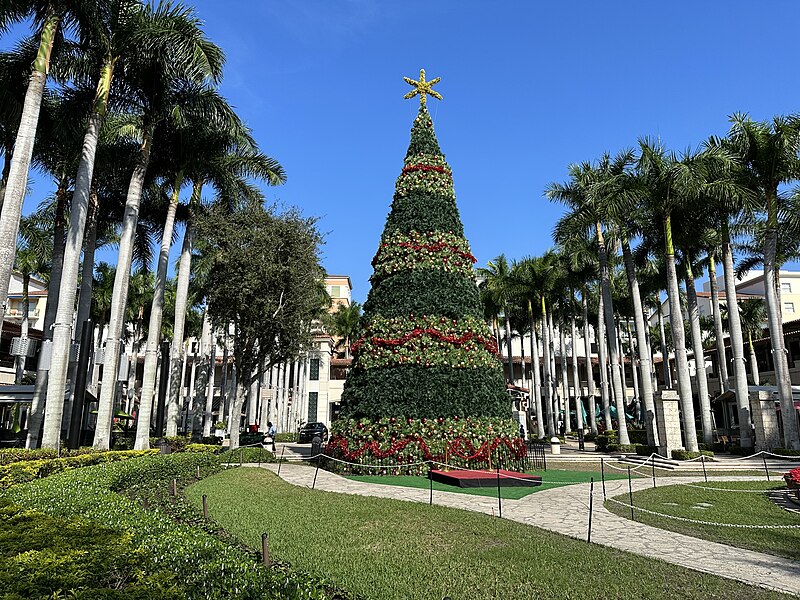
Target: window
x=314, y=369
x=313, y=397
x=336, y=291
x=788, y=307
x=786, y=286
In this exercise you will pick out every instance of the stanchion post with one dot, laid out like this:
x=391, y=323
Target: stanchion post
x=198, y=471
x=591, y=497
x=173, y=490
x=241, y=455
x=265, y=549
x=630, y=493
x=430, y=481
x=766, y=470
x=205, y=506
x=313, y=485
x=603, y=477
x=653, y=462
x=499, y=497
x=703, y=461
x=280, y=460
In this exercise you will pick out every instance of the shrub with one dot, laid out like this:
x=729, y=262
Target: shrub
x=786, y=451
x=191, y=563
x=286, y=437
x=12, y=455
x=604, y=439
x=637, y=436
x=247, y=455
x=739, y=451
x=686, y=455
x=625, y=448
x=28, y=470
x=644, y=450
x=213, y=448
x=176, y=444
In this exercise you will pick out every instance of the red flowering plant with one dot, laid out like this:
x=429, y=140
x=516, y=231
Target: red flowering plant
x=793, y=478
x=398, y=445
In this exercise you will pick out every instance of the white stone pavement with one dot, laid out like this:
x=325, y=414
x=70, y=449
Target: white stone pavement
x=565, y=510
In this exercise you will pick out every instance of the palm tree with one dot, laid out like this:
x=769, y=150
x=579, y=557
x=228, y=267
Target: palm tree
x=753, y=314
x=345, y=323
x=668, y=181
x=33, y=258
x=768, y=152
x=497, y=282
x=589, y=213
x=47, y=16
x=171, y=49
x=528, y=277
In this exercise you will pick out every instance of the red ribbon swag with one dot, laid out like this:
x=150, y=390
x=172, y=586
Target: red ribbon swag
x=412, y=168
x=461, y=447
x=489, y=344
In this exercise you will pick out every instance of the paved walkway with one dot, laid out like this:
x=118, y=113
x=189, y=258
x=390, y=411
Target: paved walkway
x=565, y=510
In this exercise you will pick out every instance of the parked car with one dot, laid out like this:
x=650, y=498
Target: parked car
x=311, y=430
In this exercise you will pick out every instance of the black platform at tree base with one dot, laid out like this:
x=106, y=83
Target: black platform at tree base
x=477, y=478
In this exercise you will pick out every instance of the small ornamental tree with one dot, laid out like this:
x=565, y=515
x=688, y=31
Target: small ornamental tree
x=425, y=354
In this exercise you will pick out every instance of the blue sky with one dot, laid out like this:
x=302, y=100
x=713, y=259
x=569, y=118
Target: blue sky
x=528, y=87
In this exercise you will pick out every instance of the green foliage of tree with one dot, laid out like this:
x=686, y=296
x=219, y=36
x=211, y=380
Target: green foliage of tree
x=424, y=275
x=263, y=281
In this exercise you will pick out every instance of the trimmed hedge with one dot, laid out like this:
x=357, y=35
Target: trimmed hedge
x=28, y=470
x=686, y=455
x=785, y=451
x=428, y=392
x=186, y=562
x=12, y=455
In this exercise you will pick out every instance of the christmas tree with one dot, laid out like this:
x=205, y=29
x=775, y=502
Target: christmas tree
x=426, y=366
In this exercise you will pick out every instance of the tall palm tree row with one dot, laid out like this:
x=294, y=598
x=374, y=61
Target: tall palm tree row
x=133, y=113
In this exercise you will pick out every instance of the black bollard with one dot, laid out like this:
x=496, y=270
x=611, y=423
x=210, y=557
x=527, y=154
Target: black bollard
x=499, y=497
x=265, y=549
x=630, y=493
x=591, y=497
x=205, y=506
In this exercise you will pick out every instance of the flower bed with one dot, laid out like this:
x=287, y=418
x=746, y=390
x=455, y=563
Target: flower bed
x=397, y=445
x=792, y=479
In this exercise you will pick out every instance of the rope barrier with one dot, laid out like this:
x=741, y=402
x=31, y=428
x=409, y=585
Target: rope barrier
x=716, y=489
x=699, y=522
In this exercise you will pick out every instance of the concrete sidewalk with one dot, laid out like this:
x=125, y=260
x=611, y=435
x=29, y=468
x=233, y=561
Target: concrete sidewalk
x=565, y=510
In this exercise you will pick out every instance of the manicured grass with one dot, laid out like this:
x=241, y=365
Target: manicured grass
x=550, y=479
x=393, y=550
x=725, y=507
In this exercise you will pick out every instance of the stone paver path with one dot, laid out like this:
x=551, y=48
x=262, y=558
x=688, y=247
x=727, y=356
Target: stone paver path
x=565, y=510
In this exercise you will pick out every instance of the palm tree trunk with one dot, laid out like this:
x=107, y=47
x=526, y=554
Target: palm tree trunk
x=737, y=341
x=611, y=331
x=719, y=335
x=791, y=431
x=20, y=360
x=536, y=384
x=157, y=313
x=208, y=417
x=522, y=355
x=636, y=395
x=621, y=352
x=576, y=379
x=547, y=372
x=17, y=182
x=62, y=328
x=664, y=349
x=603, y=366
x=645, y=358
x=137, y=334
x=701, y=377
x=119, y=298
x=562, y=342
x=555, y=410
x=85, y=295
x=8, y=152
x=181, y=298
x=753, y=361
x=679, y=343
x=589, y=368
x=36, y=414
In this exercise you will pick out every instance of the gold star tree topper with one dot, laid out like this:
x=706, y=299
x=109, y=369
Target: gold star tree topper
x=422, y=87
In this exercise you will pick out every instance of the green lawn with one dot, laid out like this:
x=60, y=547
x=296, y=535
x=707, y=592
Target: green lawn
x=393, y=550
x=725, y=507
x=550, y=479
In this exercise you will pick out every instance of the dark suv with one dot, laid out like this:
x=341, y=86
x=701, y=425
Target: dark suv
x=311, y=430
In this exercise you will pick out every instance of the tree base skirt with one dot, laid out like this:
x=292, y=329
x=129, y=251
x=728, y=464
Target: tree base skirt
x=402, y=446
